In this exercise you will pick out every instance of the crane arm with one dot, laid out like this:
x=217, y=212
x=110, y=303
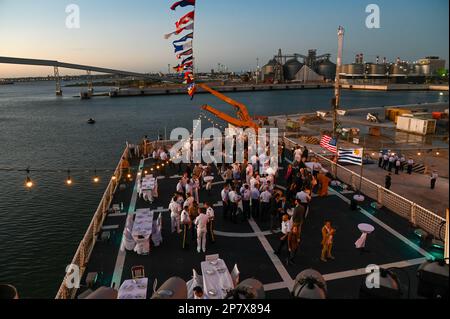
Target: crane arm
x=240, y=108
x=229, y=119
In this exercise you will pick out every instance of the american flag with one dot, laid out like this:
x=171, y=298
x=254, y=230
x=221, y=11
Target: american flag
x=329, y=143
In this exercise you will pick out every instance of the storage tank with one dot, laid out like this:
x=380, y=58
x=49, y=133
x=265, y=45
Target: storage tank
x=269, y=67
x=344, y=69
x=327, y=69
x=376, y=69
x=291, y=68
x=398, y=70
x=355, y=69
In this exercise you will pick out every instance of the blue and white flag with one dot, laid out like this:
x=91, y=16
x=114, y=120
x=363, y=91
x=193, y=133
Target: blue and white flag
x=185, y=38
x=351, y=156
x=183, y=47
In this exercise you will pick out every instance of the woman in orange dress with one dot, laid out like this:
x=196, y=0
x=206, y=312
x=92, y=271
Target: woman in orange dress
x=324, y=182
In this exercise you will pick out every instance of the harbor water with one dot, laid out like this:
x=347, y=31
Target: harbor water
x=40, y=228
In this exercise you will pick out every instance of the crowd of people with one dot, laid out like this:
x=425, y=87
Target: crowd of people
x=397, y=163
x=249, y=191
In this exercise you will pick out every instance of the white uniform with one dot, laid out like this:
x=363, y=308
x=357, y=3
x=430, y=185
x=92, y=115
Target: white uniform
x=185, y=219
x=298, y=155
x=303, y=197
x=180, y=188
x=175, y=210
x=189, y=202
x=202, y=225
x=210, y=213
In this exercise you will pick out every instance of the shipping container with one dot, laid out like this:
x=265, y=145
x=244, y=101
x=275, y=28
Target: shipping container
x=416, y=125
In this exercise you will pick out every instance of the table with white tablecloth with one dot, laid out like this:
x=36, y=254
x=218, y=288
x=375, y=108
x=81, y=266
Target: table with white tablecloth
x=148, y=188
x=216, y=279
x=133, y=289
x=142, y=230
x=365, y=229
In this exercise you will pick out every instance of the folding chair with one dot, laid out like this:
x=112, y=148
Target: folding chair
x=137, y=272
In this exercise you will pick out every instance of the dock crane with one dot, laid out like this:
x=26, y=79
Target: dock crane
x=243, y=119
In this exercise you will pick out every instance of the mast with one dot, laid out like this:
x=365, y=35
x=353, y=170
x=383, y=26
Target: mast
x=337, y=85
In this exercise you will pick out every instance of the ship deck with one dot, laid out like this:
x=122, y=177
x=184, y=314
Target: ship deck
x=251, y=246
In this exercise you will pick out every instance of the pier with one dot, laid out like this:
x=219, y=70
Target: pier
x=128, y=92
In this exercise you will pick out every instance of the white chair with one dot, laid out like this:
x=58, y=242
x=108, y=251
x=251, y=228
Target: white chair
x=235, y=275
x=212, y=257
x=142, y=246
x=129, y=242
x=196, y=281
x=156, y=233
x=116, y=208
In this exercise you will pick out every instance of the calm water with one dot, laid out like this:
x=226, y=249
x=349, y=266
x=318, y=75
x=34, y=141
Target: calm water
x=40, y=229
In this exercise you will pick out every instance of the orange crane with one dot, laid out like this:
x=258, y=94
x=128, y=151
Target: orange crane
x=243, y=119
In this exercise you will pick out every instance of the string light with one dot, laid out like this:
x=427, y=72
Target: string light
x=114, y=178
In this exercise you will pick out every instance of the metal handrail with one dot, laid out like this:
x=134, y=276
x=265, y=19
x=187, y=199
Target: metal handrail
x=87, y=244
x=415, y=209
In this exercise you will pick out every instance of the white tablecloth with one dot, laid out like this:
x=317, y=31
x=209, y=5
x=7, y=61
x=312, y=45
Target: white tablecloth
x=148, y=188
x=133, y=289
x=216, y=278
x=143, y=224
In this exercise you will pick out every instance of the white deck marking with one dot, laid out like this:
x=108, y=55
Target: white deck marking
x=362, y=271
x=387, y=228
x=110, y=227
x=287, y=280
x=243, y=235
x=350, y=273
x=120, y=261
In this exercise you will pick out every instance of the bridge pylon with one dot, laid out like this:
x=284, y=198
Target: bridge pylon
x=89, y=82
x=58, y=90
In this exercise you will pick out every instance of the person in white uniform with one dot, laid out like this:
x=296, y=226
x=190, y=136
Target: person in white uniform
x=202, y=228
x=186, y=223
x=175, y=210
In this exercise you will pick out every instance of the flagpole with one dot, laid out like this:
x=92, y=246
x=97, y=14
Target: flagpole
x=362, y=166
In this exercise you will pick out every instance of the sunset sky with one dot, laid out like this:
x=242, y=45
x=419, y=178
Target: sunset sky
x=129, y=34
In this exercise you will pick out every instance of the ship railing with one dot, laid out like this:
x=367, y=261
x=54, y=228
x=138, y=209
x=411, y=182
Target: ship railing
x=68, y=289
x=417, y=215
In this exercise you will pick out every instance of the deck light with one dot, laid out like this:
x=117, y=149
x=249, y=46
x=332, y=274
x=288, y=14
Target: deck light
x=114, y=178
x=419, y=154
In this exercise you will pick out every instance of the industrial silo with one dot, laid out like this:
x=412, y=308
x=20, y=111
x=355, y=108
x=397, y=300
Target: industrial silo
x=376, y=70
x=398, y=70
x=355, y=69
x=268, y=70
x=327, y=69
x=291, y=68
